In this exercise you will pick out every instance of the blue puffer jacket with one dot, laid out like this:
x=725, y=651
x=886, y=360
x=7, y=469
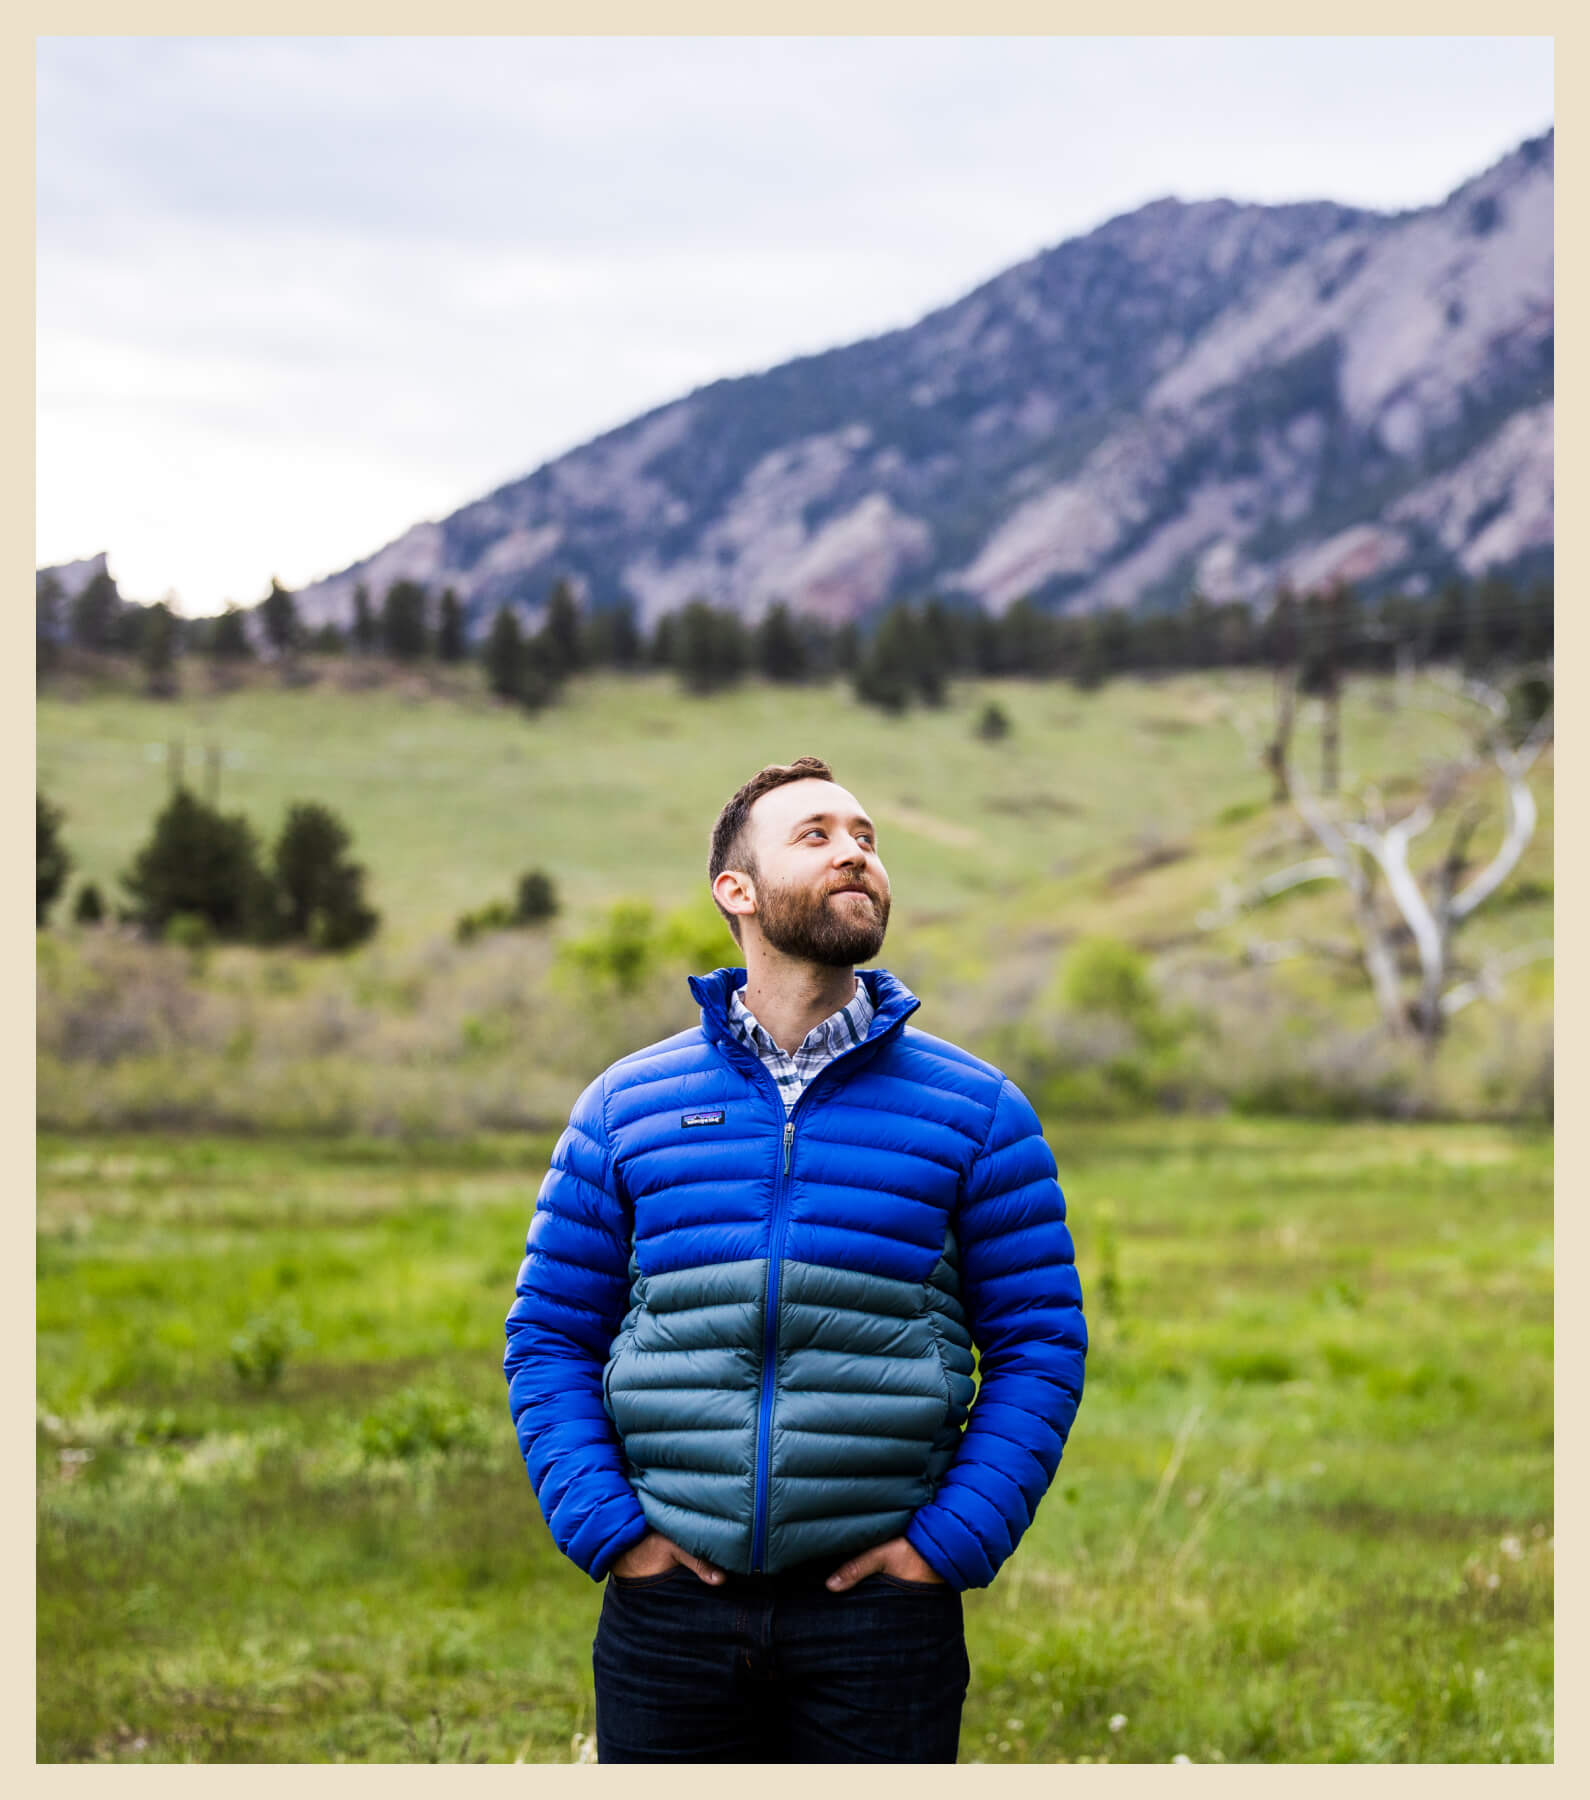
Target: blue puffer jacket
x=755, y=1334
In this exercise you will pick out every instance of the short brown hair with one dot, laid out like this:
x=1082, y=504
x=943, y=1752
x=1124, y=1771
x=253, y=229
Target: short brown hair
x=731, y=847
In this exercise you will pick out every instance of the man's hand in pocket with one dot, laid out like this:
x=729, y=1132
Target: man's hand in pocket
x=654, y=1555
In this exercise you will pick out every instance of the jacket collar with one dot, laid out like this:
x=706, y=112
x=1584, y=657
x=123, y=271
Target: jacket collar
x=893, y=1002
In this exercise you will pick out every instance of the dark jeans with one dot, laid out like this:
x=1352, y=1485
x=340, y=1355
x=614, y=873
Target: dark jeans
x=778, y=1669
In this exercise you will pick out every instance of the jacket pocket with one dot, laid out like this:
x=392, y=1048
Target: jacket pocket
x=912, y=1587
x=940, y=1356
x=650, y=1581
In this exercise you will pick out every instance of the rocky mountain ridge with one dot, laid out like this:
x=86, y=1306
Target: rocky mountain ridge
x=1211, y=394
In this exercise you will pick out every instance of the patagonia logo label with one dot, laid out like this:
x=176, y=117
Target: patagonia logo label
x=714, y=1117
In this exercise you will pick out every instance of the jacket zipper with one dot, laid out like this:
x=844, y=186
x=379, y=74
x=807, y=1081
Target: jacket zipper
x=764, y=1425
x=775, y=1260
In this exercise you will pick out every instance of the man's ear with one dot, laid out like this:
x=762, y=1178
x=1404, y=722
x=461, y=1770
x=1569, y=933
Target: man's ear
x=735, y=892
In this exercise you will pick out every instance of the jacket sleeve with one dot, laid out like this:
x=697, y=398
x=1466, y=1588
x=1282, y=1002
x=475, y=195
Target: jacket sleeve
x=1024, y=1310
x=570, y=1300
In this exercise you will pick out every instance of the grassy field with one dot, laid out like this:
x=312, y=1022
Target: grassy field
x=1124, y=811
x=615, y=787
x=1306, y=1512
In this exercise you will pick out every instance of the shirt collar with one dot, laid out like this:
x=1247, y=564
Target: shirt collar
x=844, y=1028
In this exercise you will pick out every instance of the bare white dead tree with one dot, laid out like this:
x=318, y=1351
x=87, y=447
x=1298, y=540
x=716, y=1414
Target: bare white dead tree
x=1369, y=852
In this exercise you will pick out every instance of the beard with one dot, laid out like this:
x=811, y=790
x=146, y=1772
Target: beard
x=819, y=928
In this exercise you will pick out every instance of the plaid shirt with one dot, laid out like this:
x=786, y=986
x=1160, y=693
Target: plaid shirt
x=819, y=1048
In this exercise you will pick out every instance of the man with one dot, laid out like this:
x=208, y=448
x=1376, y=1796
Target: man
x=740, y=1356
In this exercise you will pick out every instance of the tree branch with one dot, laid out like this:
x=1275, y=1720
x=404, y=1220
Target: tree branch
x=1521, y=817
x=1234, y=902
x=1487, y=984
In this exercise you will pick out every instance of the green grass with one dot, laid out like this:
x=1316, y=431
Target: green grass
x=614, y=788
x=1123, y=811
x=1306, y=1512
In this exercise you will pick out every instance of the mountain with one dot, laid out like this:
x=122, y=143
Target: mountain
x=1209, y=394
x=72, y=577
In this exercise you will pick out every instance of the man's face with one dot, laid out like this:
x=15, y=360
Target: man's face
x=821, y=893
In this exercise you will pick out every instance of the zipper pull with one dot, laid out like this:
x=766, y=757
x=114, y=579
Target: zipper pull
x=789, y=1138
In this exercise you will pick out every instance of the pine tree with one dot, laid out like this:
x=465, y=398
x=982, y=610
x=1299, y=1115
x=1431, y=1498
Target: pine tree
x=948, y=636
x=539, y=676
x=986, y=644
x=504, y=655
x=450, y=629
x=660, y=651
x=322, y=892
x=1536, y=625
x=280, y=613
x=877, y=684
x=612, y=638
x=1448, y=622
x=94, y=610
x=54, y=860
x=127, y=628
x=403, y=631
x=87, y=906
x=1197, y=634
x=364, y=631
x=709, y=647
x=47, y=594
x=1489, y=623
x=777, y=649
x=228, y=636
x=157, y=650
x=561, y=651
x=201, y=862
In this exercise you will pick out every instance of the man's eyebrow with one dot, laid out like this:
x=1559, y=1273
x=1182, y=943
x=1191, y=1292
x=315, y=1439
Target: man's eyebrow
x=823, y=818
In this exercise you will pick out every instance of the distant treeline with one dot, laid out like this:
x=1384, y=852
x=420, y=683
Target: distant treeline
x=907, y=653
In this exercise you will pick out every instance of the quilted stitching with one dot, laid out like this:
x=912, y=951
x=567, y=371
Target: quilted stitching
x=921, y=1214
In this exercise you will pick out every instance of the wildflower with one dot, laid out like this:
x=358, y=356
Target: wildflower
x=1117, y=1721
x=1181, y=1757
x=1511, y=1548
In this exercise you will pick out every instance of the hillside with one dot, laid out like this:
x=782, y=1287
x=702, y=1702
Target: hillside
x=1126, y=812
x=1212, y=393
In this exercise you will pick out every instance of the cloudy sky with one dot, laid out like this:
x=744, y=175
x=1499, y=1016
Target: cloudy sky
x=296, y=294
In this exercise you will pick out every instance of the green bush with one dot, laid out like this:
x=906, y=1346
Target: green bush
x=1103, y=975
x=1258, y=1366
x=495, y=915
x=189, y=931
x=422, y=1421
x=535, y=898
x=88, y=908
x=622, y=951
x=261, y=1349
x=993, y=723
x=535, y=901
x=696, y=936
